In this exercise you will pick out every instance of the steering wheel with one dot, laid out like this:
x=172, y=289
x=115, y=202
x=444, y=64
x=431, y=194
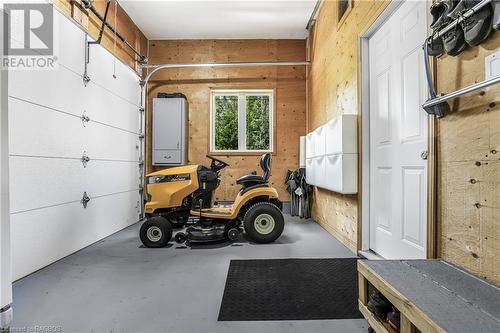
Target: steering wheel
x=217, y=164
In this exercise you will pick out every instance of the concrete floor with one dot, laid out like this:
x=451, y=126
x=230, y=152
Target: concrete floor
x=116, y=285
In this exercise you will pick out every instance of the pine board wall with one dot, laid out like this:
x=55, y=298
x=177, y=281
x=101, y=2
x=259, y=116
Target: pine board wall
x=469, y=165
x=333, y=90
x=468, y=141
x=125, y=26
x=290, y=99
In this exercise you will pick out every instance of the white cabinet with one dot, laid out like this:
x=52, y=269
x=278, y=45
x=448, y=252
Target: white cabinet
x=170, y=119
x=342, y=173
x=310, y=145
x=332, y=155
x=319, y=140
x=342, y=135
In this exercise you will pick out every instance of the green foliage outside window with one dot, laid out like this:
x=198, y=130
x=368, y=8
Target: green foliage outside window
x=226, y=122
x=257, y=115
x=257, y=122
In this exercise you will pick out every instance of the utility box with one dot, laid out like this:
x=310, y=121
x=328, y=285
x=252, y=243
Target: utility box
x=170, y=129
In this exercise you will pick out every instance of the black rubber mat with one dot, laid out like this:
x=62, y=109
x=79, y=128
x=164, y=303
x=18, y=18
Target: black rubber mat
x=291, y=289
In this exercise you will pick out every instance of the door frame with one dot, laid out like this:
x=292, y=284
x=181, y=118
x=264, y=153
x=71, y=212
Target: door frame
x=5, y=250
x=364, y=143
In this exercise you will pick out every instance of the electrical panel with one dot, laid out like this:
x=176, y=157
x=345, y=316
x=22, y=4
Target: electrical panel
x=170, y=130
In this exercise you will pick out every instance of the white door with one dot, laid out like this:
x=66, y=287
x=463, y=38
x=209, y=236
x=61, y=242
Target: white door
x=398, y=135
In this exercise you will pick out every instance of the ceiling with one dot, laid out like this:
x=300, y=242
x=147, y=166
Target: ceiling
x=207, y=19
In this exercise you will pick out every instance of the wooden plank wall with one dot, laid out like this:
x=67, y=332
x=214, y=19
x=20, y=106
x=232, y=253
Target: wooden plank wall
x=469, y=165
x=333, y=90
x=126, y=27
x=196, y=84
x=468, y=141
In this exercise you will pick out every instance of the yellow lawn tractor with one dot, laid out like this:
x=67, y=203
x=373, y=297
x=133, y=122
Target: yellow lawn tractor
x=183, y=197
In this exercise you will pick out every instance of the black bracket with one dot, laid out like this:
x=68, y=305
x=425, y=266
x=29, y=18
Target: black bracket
x=85, y=200
x=85, y=159
x=86, y=78
x=85, y=119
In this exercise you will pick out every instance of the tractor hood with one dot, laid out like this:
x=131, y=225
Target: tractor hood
x=175, y=171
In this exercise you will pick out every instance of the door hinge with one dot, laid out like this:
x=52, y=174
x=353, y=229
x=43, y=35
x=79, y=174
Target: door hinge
x=85, y=119
x=85, y=159
x=141, y=136
x=141, y=109
x=85, y=200
x=86, y=79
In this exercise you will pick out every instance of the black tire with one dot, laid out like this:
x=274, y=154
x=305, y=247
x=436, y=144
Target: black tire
x=264, y=222
x=156, y=232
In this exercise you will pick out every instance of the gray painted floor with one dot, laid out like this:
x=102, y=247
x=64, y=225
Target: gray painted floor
x=116, y=285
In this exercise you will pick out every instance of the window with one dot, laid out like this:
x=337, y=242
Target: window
x=242, y=121
x=343, y=9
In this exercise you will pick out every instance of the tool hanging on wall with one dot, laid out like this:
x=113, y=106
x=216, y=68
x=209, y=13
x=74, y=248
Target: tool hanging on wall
x=300, y=193
x=457, y=24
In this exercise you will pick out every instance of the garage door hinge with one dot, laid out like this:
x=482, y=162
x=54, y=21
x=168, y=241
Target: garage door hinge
x=141, y=162
x=141, y=109
x=85, y=119
x=141, y=136
x=85, y=159
x=86, y=79
x=85, y=200
x=142, y=83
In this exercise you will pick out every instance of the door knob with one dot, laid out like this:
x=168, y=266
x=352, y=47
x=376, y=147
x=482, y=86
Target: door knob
x=424, y=155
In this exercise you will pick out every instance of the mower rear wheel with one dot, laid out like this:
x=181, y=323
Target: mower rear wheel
x=156, y=232
x=264, y=222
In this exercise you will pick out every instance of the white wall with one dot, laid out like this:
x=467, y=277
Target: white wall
x=5, y=262
x=47, y=140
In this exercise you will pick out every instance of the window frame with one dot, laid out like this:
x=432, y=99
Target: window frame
x=242, y=135
x=343, y=18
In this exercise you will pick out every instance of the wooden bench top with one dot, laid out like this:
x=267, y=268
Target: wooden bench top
x=435, y=295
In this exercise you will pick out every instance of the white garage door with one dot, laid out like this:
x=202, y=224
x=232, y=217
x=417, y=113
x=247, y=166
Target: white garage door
x=47, y=141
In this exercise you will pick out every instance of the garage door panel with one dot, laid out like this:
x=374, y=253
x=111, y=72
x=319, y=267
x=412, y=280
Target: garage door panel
x=47, y=139
x=100, y=70
x=107, y=177
x=38, y=131
x=42, y=182
x=104, y=142
x=58, y=89
x=66, y=229
x=103, y=106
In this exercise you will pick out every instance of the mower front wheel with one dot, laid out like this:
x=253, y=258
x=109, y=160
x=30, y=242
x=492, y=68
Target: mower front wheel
x=264, y=222
x=156, y=232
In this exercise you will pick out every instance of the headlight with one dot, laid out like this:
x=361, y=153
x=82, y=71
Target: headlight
x=168, y=179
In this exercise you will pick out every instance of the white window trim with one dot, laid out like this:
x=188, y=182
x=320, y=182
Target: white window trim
x=242, y=93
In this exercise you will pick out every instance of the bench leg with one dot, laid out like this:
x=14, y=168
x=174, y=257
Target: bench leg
x=406, y=325
x=363, y=289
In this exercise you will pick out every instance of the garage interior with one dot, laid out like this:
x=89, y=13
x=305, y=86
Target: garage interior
x=272, y=166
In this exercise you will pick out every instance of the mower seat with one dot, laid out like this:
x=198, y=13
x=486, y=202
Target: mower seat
x=254, y=180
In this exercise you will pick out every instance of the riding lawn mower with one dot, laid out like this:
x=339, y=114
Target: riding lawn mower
x=183, y=197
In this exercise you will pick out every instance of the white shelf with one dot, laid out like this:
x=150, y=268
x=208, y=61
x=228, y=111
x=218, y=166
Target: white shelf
x=332, y=155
